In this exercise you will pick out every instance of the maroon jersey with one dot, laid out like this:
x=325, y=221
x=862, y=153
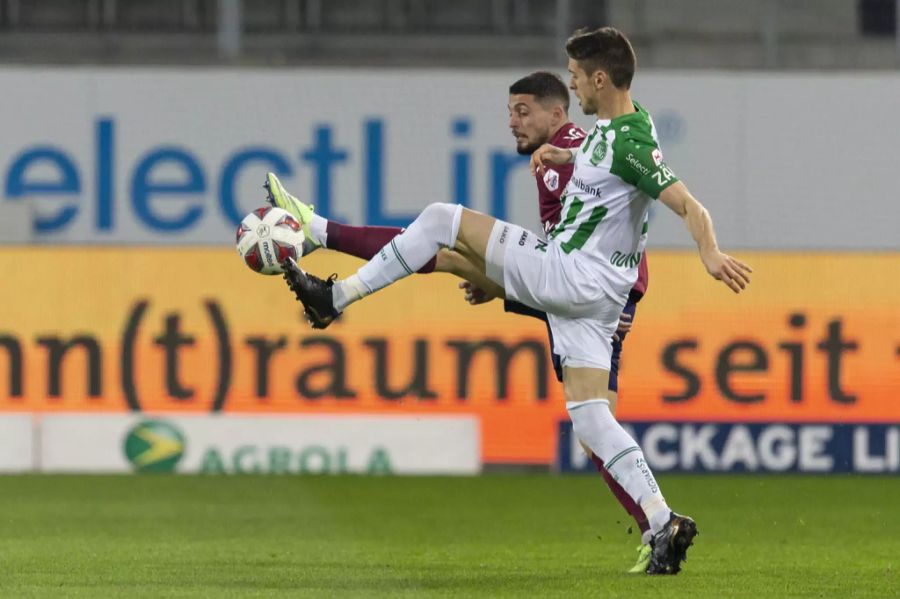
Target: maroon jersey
x=552, y=184
x=555, y=178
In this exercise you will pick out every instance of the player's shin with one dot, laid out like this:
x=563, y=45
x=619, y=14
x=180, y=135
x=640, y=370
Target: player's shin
x=595, y=425
x=363, y=242
x=436, y=227
x=624, y=499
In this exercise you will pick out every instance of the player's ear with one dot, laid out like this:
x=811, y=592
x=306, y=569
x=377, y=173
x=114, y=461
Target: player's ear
x=559, y=114
x=601, y=79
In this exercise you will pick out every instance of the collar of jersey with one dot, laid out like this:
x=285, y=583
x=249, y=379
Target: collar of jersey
x=624, y=118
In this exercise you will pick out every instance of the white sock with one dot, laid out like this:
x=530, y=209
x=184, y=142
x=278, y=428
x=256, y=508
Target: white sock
x=436, y=227
x=348, y=291
x=595, y=425
x=318, y=229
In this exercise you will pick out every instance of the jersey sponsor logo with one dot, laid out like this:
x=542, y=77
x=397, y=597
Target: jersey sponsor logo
x=599, y=152
x=503, y=235
x=657, y=156
x=577, y=182
x=523, y=238
x=626, y=260
x=551, y=179
x=636, y=164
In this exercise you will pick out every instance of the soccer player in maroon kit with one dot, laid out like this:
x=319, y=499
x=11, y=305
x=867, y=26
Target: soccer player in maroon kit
x=538, y=114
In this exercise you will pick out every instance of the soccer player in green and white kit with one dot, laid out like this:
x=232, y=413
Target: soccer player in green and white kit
x=581, y=275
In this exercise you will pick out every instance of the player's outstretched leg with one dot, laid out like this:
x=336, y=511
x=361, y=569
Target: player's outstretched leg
x=363, y=242
x=436, y=227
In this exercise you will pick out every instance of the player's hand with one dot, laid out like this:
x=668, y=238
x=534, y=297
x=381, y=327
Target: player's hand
x=475, y=295
x=624, y=326
x=730, y=271
x=548, y=154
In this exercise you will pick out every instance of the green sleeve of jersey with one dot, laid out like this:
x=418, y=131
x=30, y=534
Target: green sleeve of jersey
x=640, y=163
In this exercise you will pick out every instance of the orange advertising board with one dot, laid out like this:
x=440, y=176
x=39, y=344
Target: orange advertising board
x=815, y=338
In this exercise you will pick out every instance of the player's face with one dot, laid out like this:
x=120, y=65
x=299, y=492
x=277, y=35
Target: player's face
x=529, y=121
x=582, y=84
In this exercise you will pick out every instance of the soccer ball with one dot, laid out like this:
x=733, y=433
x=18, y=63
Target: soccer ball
x=267, y=237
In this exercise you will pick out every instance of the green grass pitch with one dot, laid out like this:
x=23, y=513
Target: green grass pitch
x=497, y=535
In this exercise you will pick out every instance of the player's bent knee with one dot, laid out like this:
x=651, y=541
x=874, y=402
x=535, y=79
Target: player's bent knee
x=438, y=210
x=441, y=222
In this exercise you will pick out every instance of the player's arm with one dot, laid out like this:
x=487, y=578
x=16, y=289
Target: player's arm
x=549, y=154
x=723, y=267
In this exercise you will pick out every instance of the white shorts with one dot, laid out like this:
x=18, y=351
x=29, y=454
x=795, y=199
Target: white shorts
x=581, y=315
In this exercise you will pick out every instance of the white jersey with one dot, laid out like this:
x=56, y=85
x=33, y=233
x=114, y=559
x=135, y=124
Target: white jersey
x=582, y=274
x=619, y=171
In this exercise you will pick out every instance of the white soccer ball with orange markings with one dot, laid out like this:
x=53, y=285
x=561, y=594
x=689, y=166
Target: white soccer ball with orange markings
x=267, y=237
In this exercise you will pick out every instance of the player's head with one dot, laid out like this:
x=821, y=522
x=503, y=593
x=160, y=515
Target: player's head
x=538, y=106
x=601, y=62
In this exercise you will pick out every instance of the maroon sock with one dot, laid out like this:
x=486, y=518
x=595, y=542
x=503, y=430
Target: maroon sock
x=364, y=242
x=624, y=498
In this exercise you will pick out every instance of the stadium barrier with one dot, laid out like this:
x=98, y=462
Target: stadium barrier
x=240, y=444
x=110, y=330
x=100, y=159
x=758, y=447
x=16, y=443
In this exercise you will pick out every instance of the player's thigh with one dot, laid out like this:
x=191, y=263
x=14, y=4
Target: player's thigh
x=584, y=383
x=585, y=349
x=586, y=342
x=474, y=233
x=531, y=272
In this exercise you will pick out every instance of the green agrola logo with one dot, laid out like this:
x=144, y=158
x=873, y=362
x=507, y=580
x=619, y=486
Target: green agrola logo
x=154, y=446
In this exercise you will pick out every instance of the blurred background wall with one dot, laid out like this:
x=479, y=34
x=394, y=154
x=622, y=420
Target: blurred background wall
x=801, y=34
x=137, y=134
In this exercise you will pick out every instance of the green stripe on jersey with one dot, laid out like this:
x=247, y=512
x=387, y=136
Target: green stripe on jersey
x=571, y=214
x=584, y=230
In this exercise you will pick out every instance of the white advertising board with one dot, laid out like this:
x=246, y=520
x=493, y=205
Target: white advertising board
x=178, y=156
x=260, y=444
x=16, y=443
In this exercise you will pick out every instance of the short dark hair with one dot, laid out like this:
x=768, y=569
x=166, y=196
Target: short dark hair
x=543, y=85
x=606, y=48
